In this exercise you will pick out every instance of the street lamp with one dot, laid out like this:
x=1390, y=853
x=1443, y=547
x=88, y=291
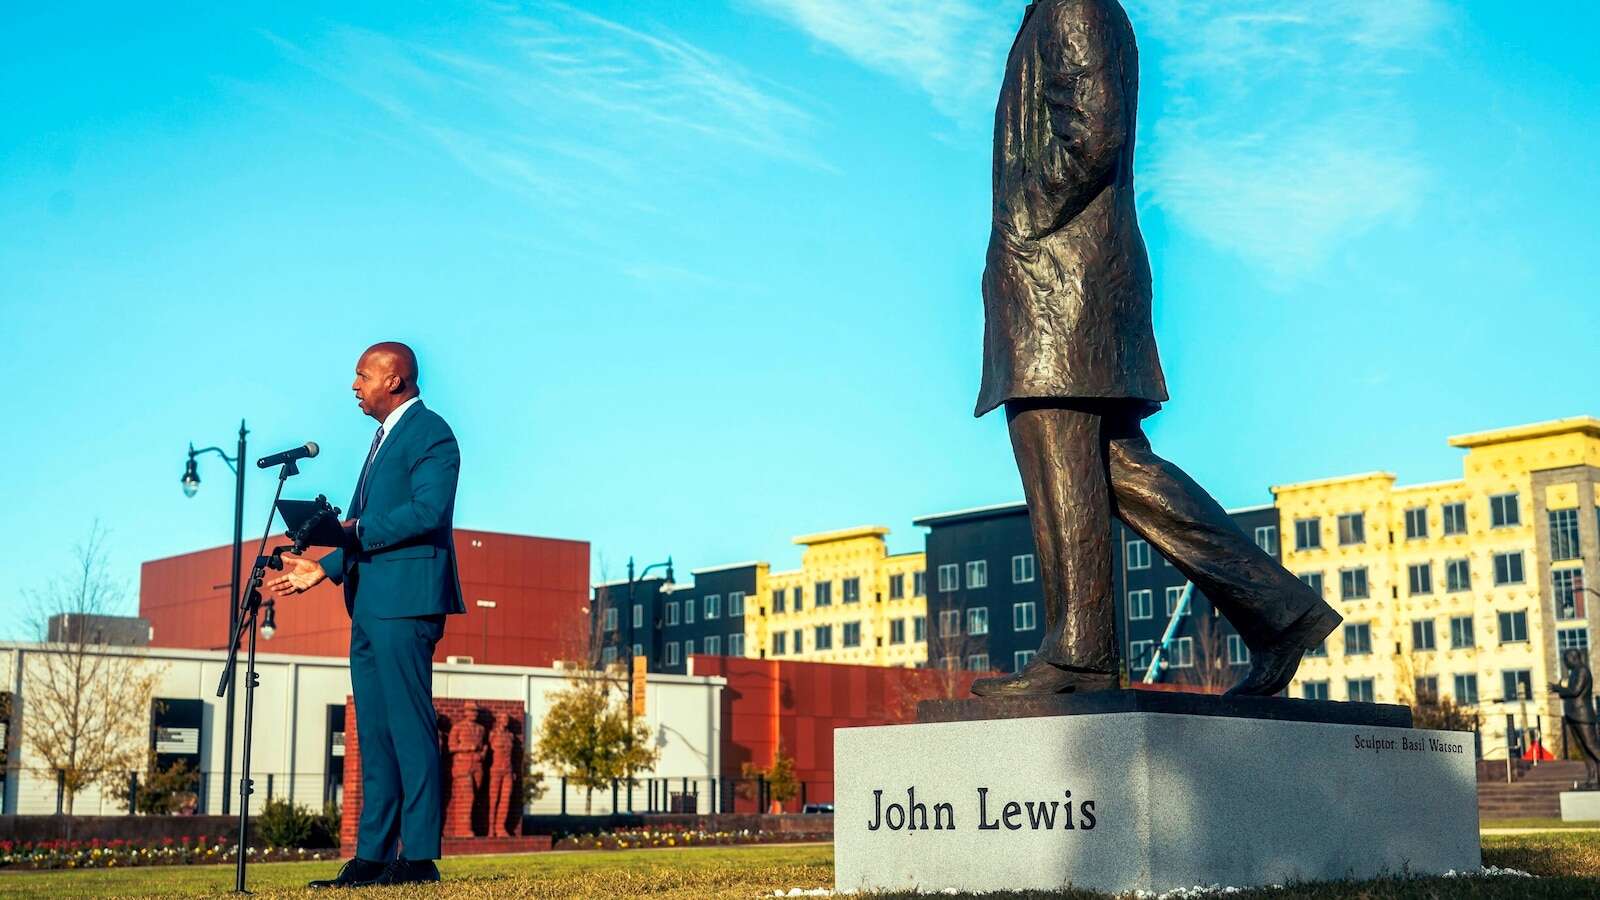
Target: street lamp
x=666, y=588
x=486, y=604
x=191, y=486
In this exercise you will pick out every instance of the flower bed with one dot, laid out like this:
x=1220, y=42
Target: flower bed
x=113, y=854
x=636, y=838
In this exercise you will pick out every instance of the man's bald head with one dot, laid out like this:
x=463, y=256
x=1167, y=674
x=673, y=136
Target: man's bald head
x=386, y=376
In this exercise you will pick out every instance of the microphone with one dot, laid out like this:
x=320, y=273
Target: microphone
x=278, y=459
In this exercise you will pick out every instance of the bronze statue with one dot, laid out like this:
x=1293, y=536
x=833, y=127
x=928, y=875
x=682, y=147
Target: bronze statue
x=1070, y=352
x=502, y=746
x=1577, y=711
x=466, y=770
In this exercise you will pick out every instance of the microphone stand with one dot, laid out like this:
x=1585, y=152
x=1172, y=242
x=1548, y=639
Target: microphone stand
x=249, y=608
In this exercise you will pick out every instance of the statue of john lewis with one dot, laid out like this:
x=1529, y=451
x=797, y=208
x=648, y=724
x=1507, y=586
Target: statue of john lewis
x=1070, y=353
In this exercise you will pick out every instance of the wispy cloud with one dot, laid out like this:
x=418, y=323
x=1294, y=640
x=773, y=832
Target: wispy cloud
x=1284, y=134
x=952, y=50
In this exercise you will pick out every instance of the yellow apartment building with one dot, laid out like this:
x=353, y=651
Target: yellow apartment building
x=1469, y=589
x=851, y=601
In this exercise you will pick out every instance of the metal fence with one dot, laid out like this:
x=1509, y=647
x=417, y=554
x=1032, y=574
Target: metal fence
x=119, y=793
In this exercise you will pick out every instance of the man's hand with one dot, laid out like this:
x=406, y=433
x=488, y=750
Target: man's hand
x=299, y=575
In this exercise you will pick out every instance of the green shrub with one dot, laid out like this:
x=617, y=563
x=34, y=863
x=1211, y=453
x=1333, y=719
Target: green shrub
x=325, y=827
x=283, y=824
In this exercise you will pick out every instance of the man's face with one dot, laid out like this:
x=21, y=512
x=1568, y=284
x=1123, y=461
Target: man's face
x=372, y=384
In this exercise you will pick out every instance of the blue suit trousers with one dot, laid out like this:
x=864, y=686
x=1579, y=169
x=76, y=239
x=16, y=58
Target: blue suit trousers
x=391, y=675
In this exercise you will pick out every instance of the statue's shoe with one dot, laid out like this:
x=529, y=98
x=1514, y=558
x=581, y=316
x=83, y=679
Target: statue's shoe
x=1041, y=678
x=1273, y=667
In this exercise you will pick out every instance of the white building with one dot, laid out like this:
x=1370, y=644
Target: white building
x=297, y=744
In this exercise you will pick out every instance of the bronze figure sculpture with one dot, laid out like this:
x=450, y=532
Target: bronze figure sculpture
x=1577, y=711
x=1070, y=352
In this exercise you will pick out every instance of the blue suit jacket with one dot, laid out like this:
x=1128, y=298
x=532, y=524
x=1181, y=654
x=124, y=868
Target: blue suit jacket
x=404, y=560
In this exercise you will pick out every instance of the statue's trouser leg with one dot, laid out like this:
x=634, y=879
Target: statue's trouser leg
x=1585, y=732
x=1061, y=455
x=1260, y=598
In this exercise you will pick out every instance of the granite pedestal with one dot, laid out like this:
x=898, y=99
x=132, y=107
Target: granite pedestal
x=1580, y=806
x=1134, y=790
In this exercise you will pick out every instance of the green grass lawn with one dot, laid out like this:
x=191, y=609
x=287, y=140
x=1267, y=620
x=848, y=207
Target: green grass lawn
x=1569, y=866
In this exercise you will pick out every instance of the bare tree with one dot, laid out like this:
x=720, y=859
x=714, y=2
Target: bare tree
x=1210, y=672
x=87, y=715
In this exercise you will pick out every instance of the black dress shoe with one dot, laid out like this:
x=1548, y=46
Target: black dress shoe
x=355, y=873
x=1041, y=678
x=1273, y=667
x=408, y=871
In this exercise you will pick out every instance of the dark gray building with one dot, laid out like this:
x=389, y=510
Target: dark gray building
x=117, y=631
x=667, y=627
x=986, y=610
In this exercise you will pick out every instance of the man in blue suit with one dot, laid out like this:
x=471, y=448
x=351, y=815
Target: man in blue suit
x=398, y=570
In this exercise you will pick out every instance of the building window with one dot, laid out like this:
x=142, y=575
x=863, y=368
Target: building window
x=688, y=649
x=1513, y=627
x=949, y=622
x=1455, y=518
x=1313, y=580
x=1416, y=523
x=1572, y=639
x=1238, y=653
x=1564, y=534
x=1024, y=616
x=1508, y=568
x=978, y=662
x=1022, y=568
x=1352, y=529
x=735, y=645
x=978, y=620
x=1314, y=690
x=1466, y=689
x=778, y=598
x=977, y=574
x=799, y=640
x=852, y=634
x=1021, y=658
x=852, y=590
x=919, y=584
x=1183, y=653
x=1353, y=584
x=1422, y=635
x=672, y=612
x=795, y=595
x=672, y=653
x=608, y=656
x=638, y=616
x=611, y=618
x=638, y=650
x=713, y=606
x=1141, y=604
x=919, y=628
x=1357, y=639
x=1138, y=554
x=822, y=594
x=1426, y=688
x=1517, y=684
x=1421, y=576
x=1267, y=539
x=824, y=637
x=689, y=607
x=713, y=646
x=897, y=587
x=1503, y=511
x=950, y=663
x=1567, y=586
x=1174, y=596
x=1358, y=690
x=1139, y=654
x=1457, y=575
x=1307, y=534
x=1320, y=649
x=949, y=577
x=780, y=643
x=735, y=603
x=1461, y=636
x=897, y=631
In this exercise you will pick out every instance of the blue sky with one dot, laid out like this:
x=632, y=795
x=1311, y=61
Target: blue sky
x=693, y=278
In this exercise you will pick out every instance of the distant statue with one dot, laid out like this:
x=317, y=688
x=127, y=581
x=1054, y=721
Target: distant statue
x=502, y=774
x=466, y=770
x=1577, y=711
x=1070, y=352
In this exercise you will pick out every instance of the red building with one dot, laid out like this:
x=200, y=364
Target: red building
x=797, y=705
x=539, y=588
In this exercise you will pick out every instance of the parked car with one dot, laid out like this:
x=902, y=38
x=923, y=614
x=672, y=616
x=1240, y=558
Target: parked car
x=819, y=808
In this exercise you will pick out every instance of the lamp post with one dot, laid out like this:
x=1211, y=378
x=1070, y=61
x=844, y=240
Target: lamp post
x=666, y=588
x=486, y=605
x=191, y=485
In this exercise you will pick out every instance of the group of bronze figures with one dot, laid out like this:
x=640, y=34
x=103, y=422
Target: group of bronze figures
x=484, y=774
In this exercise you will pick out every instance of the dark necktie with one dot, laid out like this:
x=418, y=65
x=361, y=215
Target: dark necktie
x=366, y=468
